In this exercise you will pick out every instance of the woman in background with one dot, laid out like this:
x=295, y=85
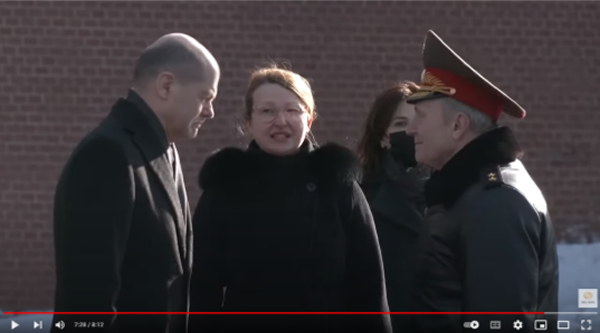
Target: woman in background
x=393, y=185
x=283, y=226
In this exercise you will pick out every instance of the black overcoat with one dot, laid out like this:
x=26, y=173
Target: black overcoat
x=397, y=202
x=122, y=233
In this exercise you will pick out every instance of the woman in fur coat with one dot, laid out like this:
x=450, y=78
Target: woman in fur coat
x=283, y=226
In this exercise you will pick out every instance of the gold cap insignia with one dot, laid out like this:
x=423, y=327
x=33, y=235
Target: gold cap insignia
x=430, y=84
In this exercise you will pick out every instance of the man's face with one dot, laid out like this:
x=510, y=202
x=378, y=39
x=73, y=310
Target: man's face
x=190, y=105
x=434, y=143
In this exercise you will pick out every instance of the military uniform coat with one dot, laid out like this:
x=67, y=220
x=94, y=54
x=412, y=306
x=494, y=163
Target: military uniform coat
x=489, y=244
x=286, y=234
x=122, y=227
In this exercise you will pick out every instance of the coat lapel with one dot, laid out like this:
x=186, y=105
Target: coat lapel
x=162, y=168
x=164, y=172
x=154, y=152
x=186, y=214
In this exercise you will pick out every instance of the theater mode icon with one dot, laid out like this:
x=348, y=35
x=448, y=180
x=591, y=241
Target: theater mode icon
x=588, y=298
x=563, y=325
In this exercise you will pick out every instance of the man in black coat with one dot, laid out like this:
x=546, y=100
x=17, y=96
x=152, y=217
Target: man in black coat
x=488, y=242
x=122, y=223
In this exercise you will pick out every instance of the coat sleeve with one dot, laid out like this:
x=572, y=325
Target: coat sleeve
x=365, y=282
x=499, y=245
x=207, y=280
x=92, y=218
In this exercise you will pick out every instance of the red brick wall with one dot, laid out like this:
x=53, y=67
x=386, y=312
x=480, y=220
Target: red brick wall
x=62, y=65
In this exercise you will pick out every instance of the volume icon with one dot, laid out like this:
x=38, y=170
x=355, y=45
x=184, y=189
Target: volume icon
x=60, y=325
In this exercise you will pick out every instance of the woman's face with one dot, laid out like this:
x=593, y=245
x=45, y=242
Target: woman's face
x=279, y=120
x=402, y=116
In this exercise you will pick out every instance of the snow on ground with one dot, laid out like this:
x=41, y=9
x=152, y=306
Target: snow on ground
x=579, y=268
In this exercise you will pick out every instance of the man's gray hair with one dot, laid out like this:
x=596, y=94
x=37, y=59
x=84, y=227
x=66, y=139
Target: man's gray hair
x=479, y=122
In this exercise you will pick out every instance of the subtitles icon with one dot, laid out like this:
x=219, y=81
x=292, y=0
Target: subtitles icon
x=495, y=324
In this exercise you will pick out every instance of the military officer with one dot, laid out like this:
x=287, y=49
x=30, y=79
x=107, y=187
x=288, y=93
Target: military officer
x=488, y=244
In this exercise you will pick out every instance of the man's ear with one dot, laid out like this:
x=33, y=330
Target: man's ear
x=460, y=125
x=164, y=84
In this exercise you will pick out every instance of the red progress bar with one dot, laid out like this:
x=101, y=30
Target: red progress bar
x=274, y=313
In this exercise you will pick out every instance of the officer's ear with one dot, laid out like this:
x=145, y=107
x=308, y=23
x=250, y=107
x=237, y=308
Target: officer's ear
x=461, y=125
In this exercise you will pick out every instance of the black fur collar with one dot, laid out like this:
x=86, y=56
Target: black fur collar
x=496, y=147
x=328, y=164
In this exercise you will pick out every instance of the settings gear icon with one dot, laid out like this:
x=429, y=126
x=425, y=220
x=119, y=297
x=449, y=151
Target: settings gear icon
x=517, y=325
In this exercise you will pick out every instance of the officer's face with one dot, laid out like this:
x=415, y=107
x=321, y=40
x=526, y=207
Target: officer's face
x=434, y=143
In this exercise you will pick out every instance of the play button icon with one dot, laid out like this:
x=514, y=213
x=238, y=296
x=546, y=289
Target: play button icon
x=13, y=325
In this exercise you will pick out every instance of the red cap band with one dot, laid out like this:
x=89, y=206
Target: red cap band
x=462, y=90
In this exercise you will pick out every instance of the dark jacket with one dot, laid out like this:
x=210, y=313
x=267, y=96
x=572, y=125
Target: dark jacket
x=489, y=244
x=122, y=237
x=286, y=234
x=397, y=202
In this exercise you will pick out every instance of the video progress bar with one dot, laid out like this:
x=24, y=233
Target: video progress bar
x=571, y=313
x=292, y=313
